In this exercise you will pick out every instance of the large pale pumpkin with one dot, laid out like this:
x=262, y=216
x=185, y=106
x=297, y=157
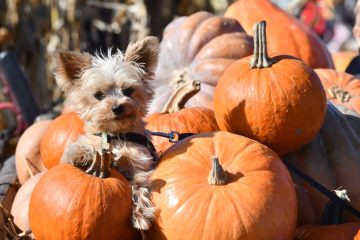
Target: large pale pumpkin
x=345, y=231
x=332, y=159
x=198, y=47
x=64, y=130
x=254, y=198
x=288, y=35
x=278, y=101
x=27, y=154
x=70, y=204
x=342, y=89
x=175, y=117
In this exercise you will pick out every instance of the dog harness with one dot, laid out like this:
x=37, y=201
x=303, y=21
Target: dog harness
x=128, y=137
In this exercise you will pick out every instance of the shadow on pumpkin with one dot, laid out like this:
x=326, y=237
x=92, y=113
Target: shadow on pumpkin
x=157, y=185
x=238, y=113
x=182, y=146
x=233, y=177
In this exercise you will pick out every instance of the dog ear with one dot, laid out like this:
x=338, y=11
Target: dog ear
x=145, y=54
x=69, y=66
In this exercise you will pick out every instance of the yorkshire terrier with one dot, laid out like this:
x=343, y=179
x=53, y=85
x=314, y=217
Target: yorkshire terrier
x=110, y=93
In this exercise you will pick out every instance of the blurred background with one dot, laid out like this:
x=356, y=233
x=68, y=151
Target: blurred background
x=32, y=30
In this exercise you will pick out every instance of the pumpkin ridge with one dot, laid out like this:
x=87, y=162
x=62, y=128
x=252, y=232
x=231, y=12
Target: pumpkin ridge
x=231, y=26
x=199, y=22
x=200, y=55
x=187, y=200
x=208, y=215
x=237, y=211
x=199, y=17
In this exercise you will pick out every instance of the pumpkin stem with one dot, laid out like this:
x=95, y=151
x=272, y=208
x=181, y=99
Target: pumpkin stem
x=181, y=95
x=333, y=212
x=100, y=167
x=217, y=174
x=27, y=163
x=260, y=59
x=339, y=94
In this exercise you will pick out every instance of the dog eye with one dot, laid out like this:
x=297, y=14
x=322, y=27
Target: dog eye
x=128, y=91
x=99, y=95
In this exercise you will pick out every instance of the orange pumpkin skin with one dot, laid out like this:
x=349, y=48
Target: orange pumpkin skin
x=187, y=120
x=342, y=59
x=347, y=83
x=345, y=231
x=247, y=207
x=70, y=204
x=288, y=35
x=282, y=106
x=64, y=130
x=27, y=153
x=197, y=47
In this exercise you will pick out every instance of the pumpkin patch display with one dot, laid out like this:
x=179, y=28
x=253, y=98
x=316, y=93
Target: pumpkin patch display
x=64, y=130
x=67, y=203
x=198, y=47
x=27, y=153
x=342, y=89
x=226, y=186
x=278, y=101
x=288, y=35
x=175, y=117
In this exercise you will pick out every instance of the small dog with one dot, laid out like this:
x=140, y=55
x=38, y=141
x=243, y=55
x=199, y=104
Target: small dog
x=111, y=93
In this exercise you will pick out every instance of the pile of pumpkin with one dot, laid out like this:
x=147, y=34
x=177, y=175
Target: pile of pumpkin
x=229, y=184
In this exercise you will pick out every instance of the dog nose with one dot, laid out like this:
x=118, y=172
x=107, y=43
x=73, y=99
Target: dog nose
x=118, y=109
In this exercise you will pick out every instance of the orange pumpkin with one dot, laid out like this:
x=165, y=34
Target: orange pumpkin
x=342, y=59
x=279, y=102
x=253, y=198
x=345, y=231
x=177, y=118
x=70, y=204
x=64, y=130
x=198, y=47
x=342, y=89
x=288, y=35
x=27, y=154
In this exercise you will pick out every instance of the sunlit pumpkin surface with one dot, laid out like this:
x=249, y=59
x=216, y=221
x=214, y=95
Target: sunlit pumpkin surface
x=287, y=34
x=69, y=204
x=257, y=202
x=187, y=120
x=64, y=130
x=282, y=106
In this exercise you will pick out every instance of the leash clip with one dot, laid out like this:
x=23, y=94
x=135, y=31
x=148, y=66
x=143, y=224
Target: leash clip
x=174, y=137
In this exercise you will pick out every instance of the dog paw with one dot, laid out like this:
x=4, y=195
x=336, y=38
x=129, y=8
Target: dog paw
x=79, y=156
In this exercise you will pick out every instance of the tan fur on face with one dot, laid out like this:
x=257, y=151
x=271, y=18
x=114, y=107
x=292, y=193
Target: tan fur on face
x=110, y=74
